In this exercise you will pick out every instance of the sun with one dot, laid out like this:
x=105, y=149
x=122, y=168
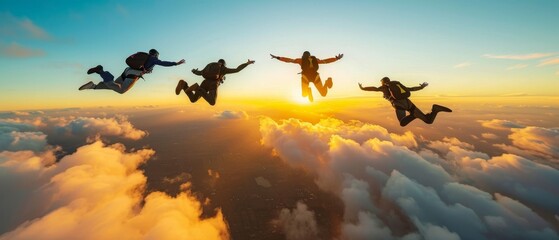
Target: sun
x=298, y=98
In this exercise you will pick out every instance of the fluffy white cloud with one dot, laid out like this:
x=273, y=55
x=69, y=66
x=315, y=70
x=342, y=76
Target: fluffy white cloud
x=299, y=223
x=228, y=115
x=500, y=124
x=97, y=193
x=543, y=142
x=445, y=189
x=87, y=126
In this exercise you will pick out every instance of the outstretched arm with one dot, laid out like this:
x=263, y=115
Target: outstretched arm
x=375, y=89
x=197, y=72
x=331, y=60
x=168, y=63
x=287, y=60
x=239, y=68
x=421, y=86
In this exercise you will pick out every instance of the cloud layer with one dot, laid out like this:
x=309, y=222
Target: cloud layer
x=399, y=186
x=97, y=192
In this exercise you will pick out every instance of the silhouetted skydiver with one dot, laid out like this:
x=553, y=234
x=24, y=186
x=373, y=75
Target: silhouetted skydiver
x=214, y=74
x=143, y=64
x=398, y=94
x=309, y=66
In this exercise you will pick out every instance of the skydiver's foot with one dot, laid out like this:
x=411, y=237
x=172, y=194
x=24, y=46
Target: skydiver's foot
x=406, y=120
x=98, y=69
x=192, y=88
x=311, y=99
x=180, y=86
x=439, y=108
x=89, y=85
x=329, y=83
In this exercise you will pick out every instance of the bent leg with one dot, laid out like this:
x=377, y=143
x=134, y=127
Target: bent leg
x=305, y=86
x=194, y=96
x=323, y=90
x=210, y=97
x=107, y=76
x=434, y=110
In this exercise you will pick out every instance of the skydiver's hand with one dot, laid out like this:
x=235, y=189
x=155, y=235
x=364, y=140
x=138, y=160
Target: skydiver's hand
x=276, y=57
x=360, y=86
x=180, y=62
x=194, y=70
x=339, y=56
x=250, y=61
x=423, y=85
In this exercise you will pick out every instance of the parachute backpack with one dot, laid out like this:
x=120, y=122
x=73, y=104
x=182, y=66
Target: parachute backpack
x=212, y=71
x=398, y=91
x=137, y=60
x=311, y=66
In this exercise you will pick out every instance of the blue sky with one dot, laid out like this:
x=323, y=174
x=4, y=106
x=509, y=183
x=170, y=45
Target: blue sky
x=462, y=48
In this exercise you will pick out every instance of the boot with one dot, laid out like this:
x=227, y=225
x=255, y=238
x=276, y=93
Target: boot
x=329, y=83
x=89, y=85
x=181, y=85
x=98, y=69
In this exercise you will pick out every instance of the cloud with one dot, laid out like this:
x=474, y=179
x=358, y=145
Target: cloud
x=122, y=10
x=489, y=136
x=462, y=65
x=543, y=142
x=299, y=223
x=517, y=66
x=33, y=30
x=429, y=189
x=263, y=182
x=15, y=136
x=97, y=192
x=88, y=126
x=11, y=26
x=18, y=51
x=228, y=115
x=499, y=124
x=519, y=57
x=551, y=61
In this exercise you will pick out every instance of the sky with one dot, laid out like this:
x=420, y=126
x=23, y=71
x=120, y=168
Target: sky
x=462, y=48
x=265, y=163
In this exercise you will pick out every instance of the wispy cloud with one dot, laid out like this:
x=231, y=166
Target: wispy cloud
x=33, y=30
x=519, y=57
x=463, y=65
x=11, y=26
x=18, y=51
x=122, y=10
x=551, y=61
x=517, y=66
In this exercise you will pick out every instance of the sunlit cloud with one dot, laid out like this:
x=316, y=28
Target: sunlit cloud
x=18, y=51
x=97, y=192
x=462, y=65
x=543, y=142
x=228, y=115
x=489, y=136
x=517, y=66
x=499, y=124
x=547, y=62
x=519, y=57
x=440, y=189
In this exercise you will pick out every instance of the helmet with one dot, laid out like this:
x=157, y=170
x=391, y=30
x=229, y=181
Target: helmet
x=306, y=54
x=385, y=80
x=222, y=62
x=154, y=53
